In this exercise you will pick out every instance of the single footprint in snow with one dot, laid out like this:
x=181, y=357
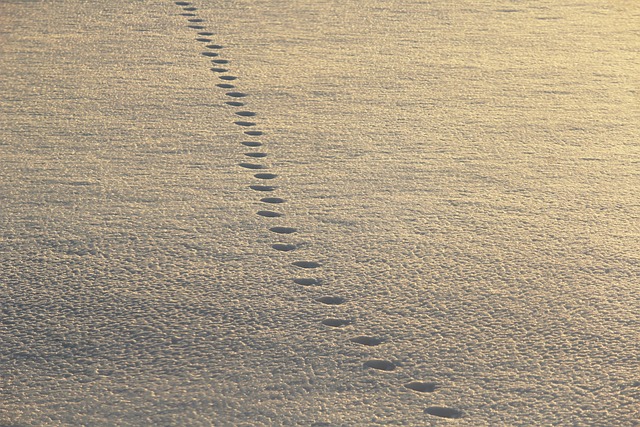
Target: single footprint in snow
x=263, y=187
x=275, y=200
x=307, y=282
x=422, y=387
x=444, y=412
x=251, y=143
x=336, y=323
x=252, y=166
x=266, y=175
x=270, y=214
x=283, y=247
x=381, y=365
x=364, y=340
x=331, y=300
x=283, y=230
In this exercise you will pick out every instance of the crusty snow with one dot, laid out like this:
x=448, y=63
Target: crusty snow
x=433, y=219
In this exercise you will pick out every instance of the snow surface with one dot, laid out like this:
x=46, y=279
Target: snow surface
x=460, y=232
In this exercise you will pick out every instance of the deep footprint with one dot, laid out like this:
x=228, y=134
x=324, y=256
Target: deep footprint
x=256, y=155
x=272, y=200
x=335, y=323
x=219, y=70
x=228, y=78
x=253, y=133
x=306, y=264
x=220, y=61
x=251, y=143
x=283, y=230
x=243, y=123
x=262, y=187
x=225, y=85
x=183, y=3
x=381, y=365
x=331, y=300
x=270, y=214
x=422, y=387
x=245, y=113
x=282, y=247
x=266, y=175
x=202, y=39
x=236, y=94
x=364, y=340
x=440, y=411
x=307, y=282
x=235, y=103
x=252, y=166
x=209, y=54
x=196, y=27
x=205, y=33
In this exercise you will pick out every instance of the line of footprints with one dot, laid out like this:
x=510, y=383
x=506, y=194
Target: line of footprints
x=220, y=67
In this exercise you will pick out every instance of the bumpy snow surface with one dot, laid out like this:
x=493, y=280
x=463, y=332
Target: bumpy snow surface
x=319, y=212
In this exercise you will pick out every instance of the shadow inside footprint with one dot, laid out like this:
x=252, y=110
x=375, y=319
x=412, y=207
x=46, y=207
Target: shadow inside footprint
x=381, y=365
x=209, y=54
x=225, y=85
x=272, y=200
x=229, y=78
x=307, y=282
x=202, y=39
x=243, y=123
x=256, y=155
x=306, y=264
x=283, y=230
x=283, y=247
x=252, y=166
x=422, y=387
x=335, y=323
x=266, y=175
x=220, y=61
x=440, y=411
x=219, y=70
x=205, y=33
x=236, y=94
x=263, y=187
x=270, y=214
x=253, y=132
x=364, y=340
x=331, y=300
x=214, y=46
x=235, y=103
x=183, y=3
x=251, y=143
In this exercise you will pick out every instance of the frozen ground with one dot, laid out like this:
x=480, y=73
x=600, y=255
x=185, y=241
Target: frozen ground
x=465, y=175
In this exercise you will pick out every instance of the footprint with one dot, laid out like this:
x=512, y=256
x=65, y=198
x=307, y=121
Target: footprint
x=235, y=103
x=183, y=3
x=254, y=132
x=272, y=200
x=220, y=61
x=251, y=143
x=210, y=54
x=306, y=264
x=196, y=27
x=203, y=39
x=225, y=85
x=236, y=94
x=190, y=9
x=188, y=14
x=263, y=187
x=205, y=33
x=256, y=155
x=270, y=214
x=245, y=113
x=227, y=77
x=266, y=175
x=252, y=166
x=331, y=300
x=284, y=247
x=195, y=20
x=364, y=340
x=214, y=46
x=242, y=123
x=422, y=387
x=440, y=411
x=283, y=230
x=307, y=282
x=219, y=70
x=382, y=365
x=335, y=323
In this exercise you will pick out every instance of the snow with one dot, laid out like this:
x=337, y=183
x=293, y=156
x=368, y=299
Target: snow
x=444, y=229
